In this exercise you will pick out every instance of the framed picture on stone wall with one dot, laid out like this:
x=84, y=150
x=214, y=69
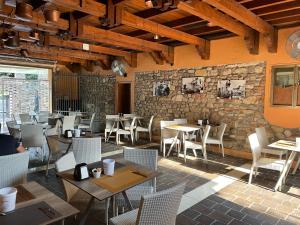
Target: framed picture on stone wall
x=161, y=88
x=231, y=89
x=192, y=85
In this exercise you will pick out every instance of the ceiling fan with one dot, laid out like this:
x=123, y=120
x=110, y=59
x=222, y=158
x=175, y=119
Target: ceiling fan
x=293, y=45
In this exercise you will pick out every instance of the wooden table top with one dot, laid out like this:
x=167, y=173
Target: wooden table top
x=32, y=193
x=101, y=193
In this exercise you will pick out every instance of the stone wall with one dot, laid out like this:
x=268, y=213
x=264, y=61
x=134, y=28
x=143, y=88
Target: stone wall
x=242, y=116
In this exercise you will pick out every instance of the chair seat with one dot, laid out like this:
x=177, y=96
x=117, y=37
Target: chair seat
x=269, y=163
x=83, y=126
x=128, y=218
x=273, y=151
x=142, y=129
x=213, y=140
x=170, y=140
x=113, y=130
x=120, y=131
x=193, y=145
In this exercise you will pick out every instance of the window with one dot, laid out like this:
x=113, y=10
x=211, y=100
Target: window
x=285, y=90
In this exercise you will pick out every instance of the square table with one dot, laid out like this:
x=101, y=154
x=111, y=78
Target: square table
x=100, y=188
x=290, y=146
x=32, y=193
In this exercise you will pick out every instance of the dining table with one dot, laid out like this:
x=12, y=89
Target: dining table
x=126, y=175
x=181, y=130
x=291, y=147
x=37, y=205
x=117, y=121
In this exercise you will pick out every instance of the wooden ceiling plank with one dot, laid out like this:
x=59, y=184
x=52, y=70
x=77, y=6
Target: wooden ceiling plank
x=244, y=15
x=91, y=7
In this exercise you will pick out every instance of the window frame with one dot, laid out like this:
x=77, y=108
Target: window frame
x=296, y=68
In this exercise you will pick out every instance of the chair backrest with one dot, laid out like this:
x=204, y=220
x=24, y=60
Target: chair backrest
x=181, y=121
x=13, y=169
x=32, y=135
x=167, y=133
x=66, y=162
x=68, y=123
x=161, y=207
x=205, y=135
x=150, y=123
x=42, y=118
x=87, y=150
x=262, y=136
x=25, y=118
x=92, y=120
x=255, y=147
x=13, y=117
x=129, y=115
x=144, y=157
x=133, y=124
x=221, y=131
x=108, y=122
x=13, y=131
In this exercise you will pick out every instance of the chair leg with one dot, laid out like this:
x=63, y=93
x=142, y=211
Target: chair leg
x=250, y=175
x=105, y=136
x=195, y=153
x=107, y=201
x=131, y=135
x=184, y=153
x=48, y=162
x=164, y=150
x=222, y=149
x=297, y=166
x=150, y=136
x=204, y=153
x=256, y=170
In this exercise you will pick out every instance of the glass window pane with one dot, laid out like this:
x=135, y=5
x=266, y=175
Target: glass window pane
x=283, y=86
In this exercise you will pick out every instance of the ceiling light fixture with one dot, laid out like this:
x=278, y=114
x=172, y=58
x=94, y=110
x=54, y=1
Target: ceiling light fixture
x=151, y=3
x=156, y=37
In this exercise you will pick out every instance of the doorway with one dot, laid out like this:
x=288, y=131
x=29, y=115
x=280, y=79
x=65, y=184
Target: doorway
x=123, y=98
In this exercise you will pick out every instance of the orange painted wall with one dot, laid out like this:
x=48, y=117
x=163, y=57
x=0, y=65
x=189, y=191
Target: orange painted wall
x=231, y=51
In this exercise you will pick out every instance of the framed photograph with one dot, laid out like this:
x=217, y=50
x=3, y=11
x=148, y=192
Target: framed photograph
x=161, y=88
x=192, y=85
x=231, y=89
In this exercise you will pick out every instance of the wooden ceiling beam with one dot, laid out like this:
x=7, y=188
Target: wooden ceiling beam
x=34, y=55
x=244, y=15
x=90, y=7
x=120, y=40
x=217, y=18
x=55, y=51
x=129, y=57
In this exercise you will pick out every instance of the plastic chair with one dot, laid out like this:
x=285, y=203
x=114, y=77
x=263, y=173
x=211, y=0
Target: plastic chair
x=189, y=136
x=68, y=123
x=87, y=150
x=167, y=136
x=148, y=129
x=14, y=169
x=90, y=126
x=130, y=132
x=158, y=208
x=25, y=118
x=259, y=161
x=109, y=122
x=13, y=131
x=218, y=140
x=264, y=142
x=197, y=145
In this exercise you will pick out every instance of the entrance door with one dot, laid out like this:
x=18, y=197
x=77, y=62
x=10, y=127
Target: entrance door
x=123, y=98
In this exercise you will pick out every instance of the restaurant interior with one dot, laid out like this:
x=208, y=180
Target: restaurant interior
x=150, y=112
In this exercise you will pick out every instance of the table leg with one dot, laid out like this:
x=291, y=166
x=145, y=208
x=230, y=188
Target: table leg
x=285, y=170
x=86, y=212
x=296, y=166
x=127, y=200
x=173, y=143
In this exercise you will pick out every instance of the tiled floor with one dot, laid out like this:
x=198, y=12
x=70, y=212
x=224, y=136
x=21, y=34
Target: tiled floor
x=233, y=203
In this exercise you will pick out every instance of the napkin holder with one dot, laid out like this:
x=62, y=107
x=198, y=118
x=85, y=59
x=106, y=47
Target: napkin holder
x=81, y=172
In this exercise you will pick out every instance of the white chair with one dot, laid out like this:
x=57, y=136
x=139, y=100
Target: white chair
x=109, y=123
x=43, y=117
x=25, y=118
x=189, y=136
x=148, y=129
x=264, y=142
x=13, y=131
x=259, y=161
x=218, y=140
x=33, y=137
x=148, y=159
x=88, y=127
x=13, y=169
x=159, y=208
x=127, y=123
x=197, y=145
x=130, y=132
x=167, y=136
x=68, y=123
x=87, y=150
